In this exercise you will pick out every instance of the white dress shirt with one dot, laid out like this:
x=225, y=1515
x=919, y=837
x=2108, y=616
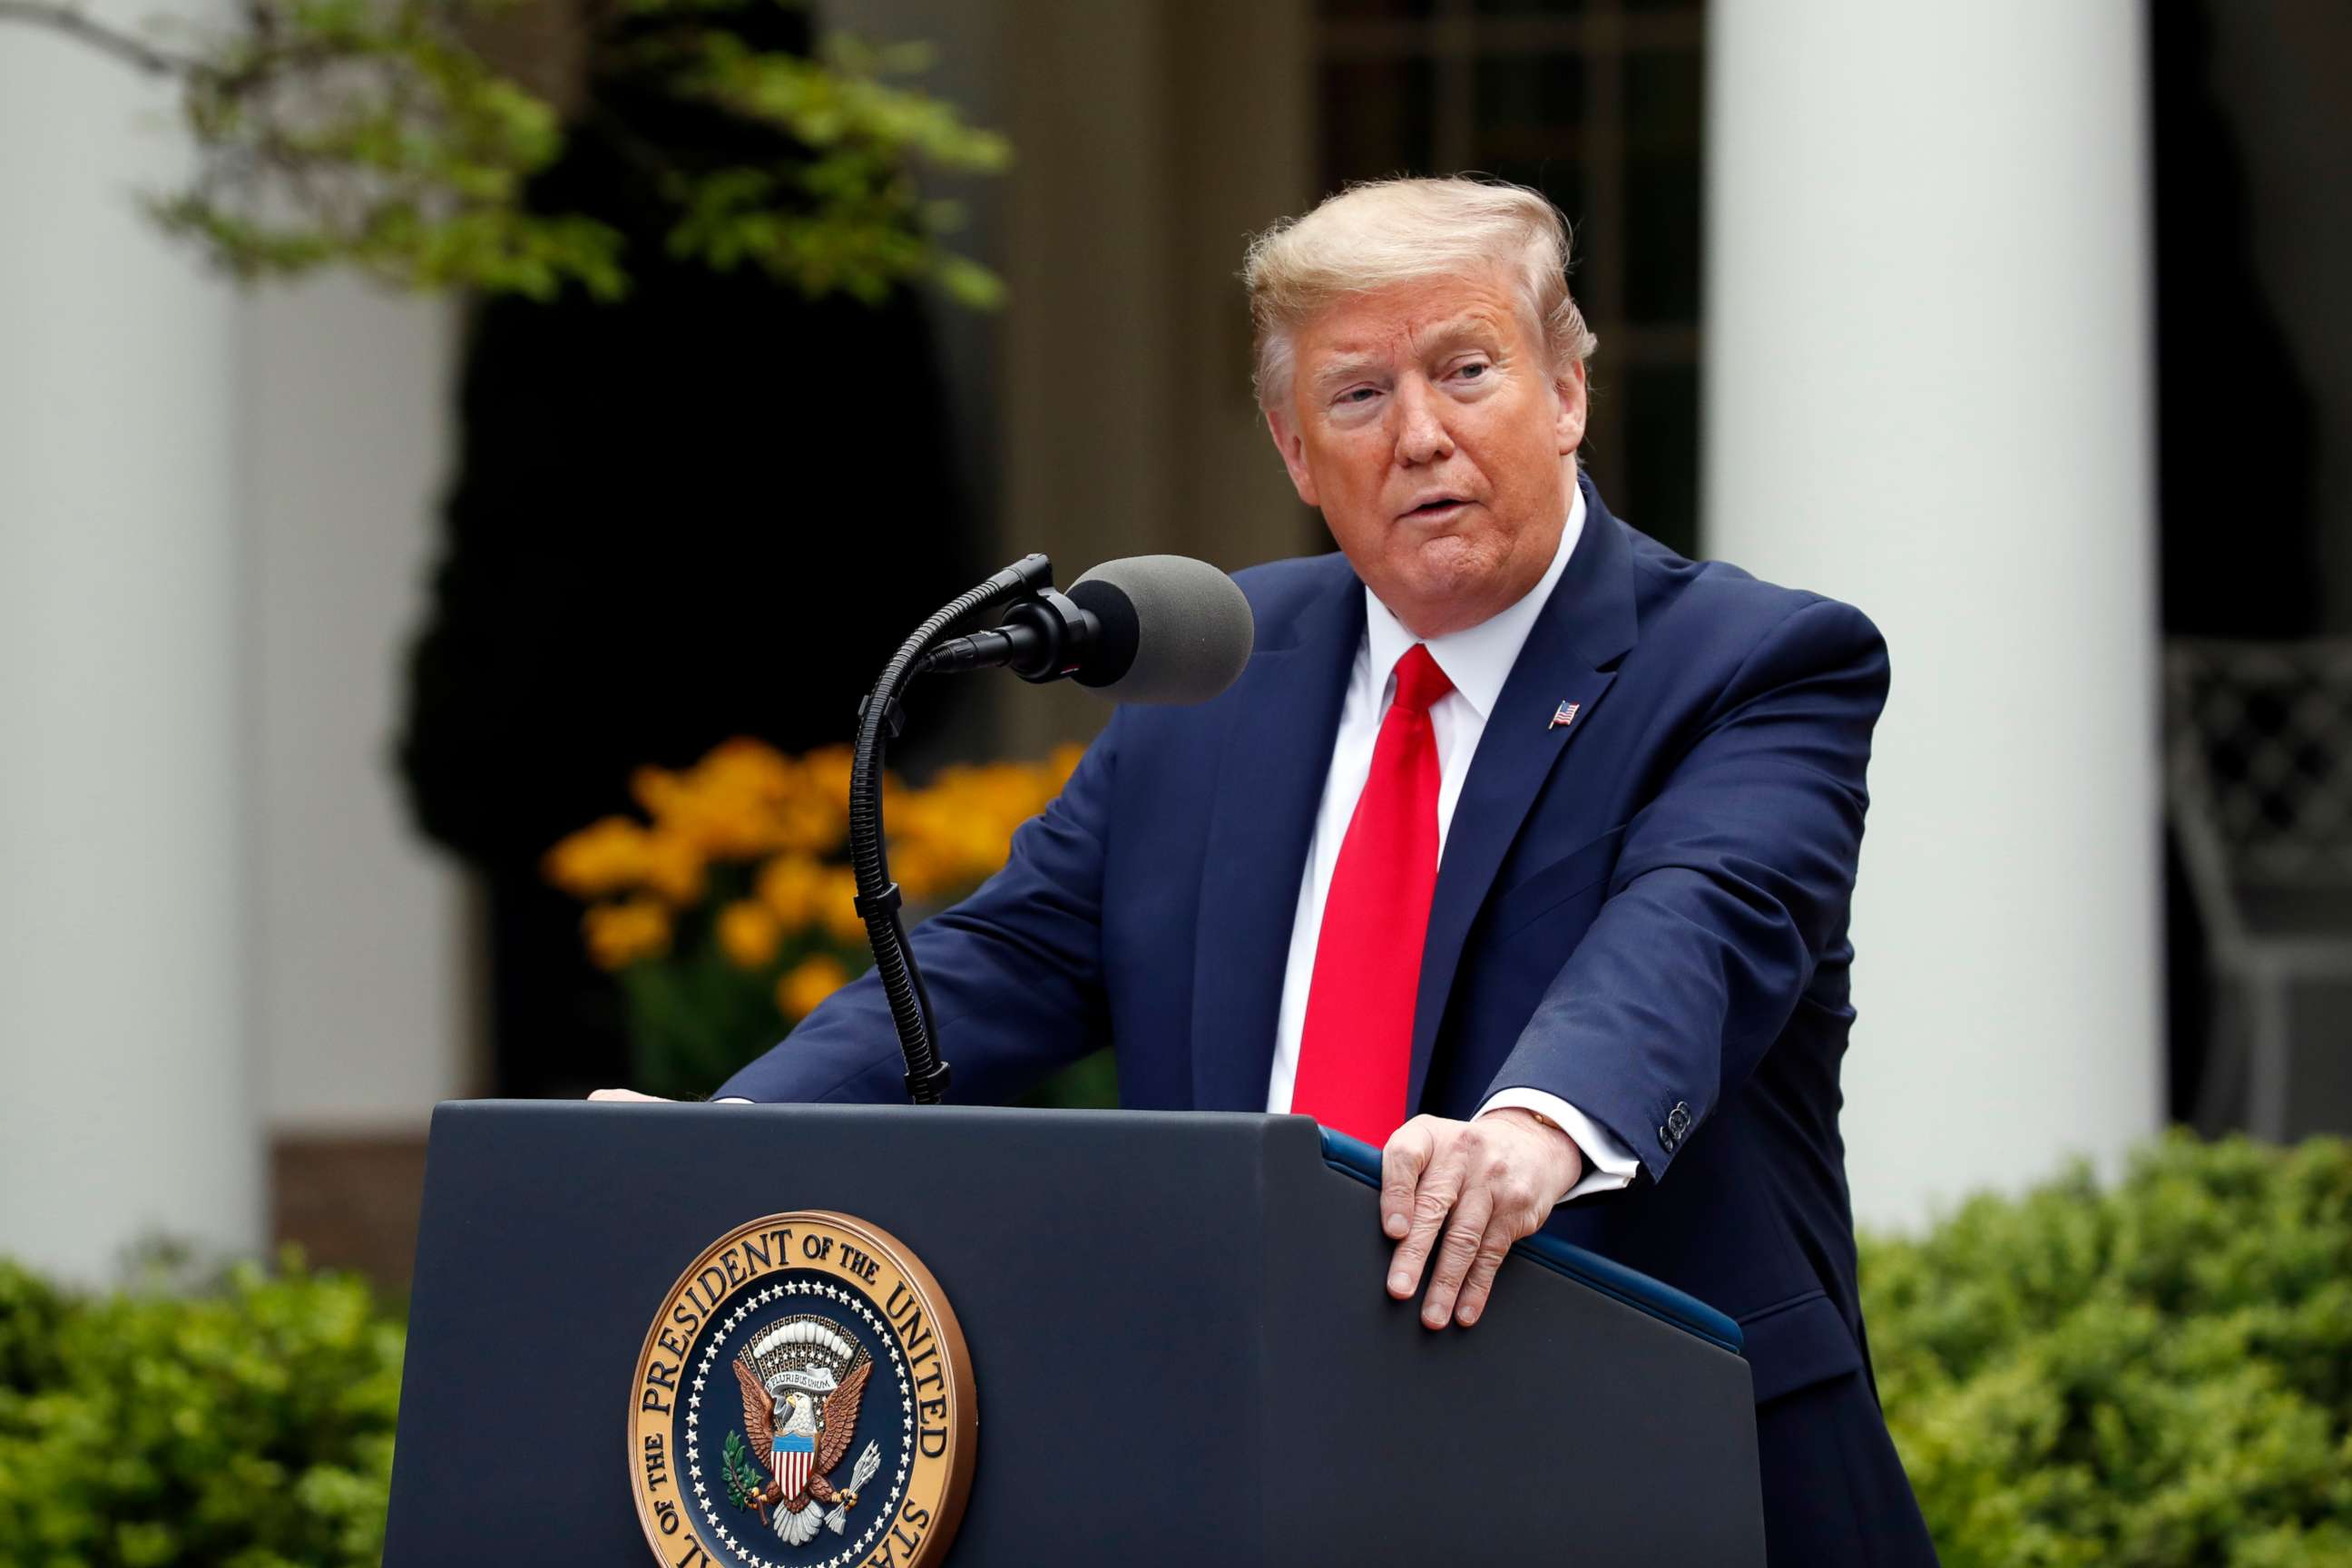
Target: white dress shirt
x=1478, y=661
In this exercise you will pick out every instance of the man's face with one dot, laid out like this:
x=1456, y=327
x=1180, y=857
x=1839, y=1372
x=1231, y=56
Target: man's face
x=1427, y=423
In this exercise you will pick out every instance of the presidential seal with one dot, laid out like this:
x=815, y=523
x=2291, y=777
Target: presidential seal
x=803, y=1400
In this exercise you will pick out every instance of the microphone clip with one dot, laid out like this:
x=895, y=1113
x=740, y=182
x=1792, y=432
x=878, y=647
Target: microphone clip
x=1044, y=637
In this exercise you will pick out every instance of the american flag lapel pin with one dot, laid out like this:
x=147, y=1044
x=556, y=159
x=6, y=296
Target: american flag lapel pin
x=1564, y=715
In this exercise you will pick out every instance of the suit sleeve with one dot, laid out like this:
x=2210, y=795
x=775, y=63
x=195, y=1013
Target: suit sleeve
x=1014, y=973
x=1732, y=883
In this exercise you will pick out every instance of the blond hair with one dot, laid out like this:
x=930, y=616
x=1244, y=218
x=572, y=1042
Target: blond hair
x=1385, y=232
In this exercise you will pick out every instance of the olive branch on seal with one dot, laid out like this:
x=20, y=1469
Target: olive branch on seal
x=744, y=1481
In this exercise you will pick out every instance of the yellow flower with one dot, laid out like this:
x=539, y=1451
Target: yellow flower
x=920, y=869
x=722, y=823
x=826, y=771
x=656, y=790
x=957, y=833
x=837, y=905
x=620, y=935
x=673, y=864
x=790, y=885
x=745, y=766
x=811, y=822
x=729, y=805
x=744, y=800
x=749, y=934
x=605, y=858
x=799, y=992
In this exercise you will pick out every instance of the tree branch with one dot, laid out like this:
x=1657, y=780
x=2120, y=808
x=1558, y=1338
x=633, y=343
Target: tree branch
x=123, y=46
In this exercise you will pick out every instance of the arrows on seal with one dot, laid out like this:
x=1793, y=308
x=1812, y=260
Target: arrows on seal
x=867, y=1463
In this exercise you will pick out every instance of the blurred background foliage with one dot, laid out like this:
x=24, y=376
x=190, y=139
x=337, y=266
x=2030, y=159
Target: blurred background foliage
x=664, y=528
x=384, y=138
x=2154, y=1375
x=694, y=239
x=245, y=1421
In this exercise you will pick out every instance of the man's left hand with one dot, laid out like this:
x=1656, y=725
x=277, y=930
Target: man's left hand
x=1483, y=1185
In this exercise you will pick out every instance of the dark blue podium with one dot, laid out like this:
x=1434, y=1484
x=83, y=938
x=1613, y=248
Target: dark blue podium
x=1181, y=1348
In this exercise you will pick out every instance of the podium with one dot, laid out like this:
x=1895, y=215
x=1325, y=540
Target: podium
x=1179, y=1348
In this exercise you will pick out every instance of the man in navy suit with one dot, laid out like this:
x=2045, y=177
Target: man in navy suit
x=1522, y=846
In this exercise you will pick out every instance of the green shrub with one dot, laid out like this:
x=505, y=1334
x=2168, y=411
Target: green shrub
x=2155, y=1376
x=2160, y=1373
x=245, y=1425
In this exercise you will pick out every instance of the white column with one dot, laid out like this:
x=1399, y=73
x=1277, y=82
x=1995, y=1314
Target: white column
x=1928, y=393
x=126, y=1093
x=360, y=1003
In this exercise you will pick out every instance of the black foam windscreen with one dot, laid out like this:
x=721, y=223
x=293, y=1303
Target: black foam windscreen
x=1173, y=629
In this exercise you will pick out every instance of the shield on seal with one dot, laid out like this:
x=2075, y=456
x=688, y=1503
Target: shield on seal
x=790, y=1459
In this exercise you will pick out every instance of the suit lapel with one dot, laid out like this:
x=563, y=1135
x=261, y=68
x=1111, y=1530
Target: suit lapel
x=1269, y=787
x=1570, y=658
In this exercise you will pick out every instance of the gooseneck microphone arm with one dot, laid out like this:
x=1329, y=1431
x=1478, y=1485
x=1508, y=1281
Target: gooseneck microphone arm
x=1150, y=628
x=878, y=722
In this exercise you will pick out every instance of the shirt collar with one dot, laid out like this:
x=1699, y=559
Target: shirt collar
x=1478, y=659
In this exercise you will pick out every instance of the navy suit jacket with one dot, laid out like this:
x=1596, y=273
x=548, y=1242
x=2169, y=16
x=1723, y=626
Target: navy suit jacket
x=1643, y=910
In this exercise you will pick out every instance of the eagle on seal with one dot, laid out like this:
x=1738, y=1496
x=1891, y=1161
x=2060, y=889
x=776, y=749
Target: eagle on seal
x=797, y=1442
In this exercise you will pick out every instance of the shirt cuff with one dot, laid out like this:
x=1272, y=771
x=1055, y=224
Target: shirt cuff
x=732, y=1100
x=1609, y=1165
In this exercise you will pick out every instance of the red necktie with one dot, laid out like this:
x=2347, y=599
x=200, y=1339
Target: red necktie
x=1355, y=1054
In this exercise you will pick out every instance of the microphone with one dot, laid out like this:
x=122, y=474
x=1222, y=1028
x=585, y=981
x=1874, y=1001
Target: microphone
x=1151, y=628
x=1148, y=628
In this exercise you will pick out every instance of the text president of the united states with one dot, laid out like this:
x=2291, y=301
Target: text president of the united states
x=1522, y=846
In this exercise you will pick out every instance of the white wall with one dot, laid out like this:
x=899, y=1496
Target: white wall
x=361, y=967
x=1928, y=393
x=129, y=1102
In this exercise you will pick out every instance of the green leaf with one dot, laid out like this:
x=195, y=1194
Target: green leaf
x=342, y=133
